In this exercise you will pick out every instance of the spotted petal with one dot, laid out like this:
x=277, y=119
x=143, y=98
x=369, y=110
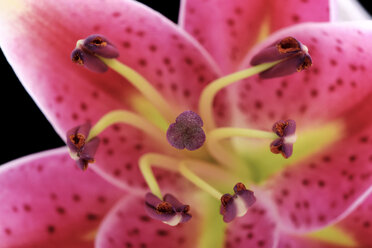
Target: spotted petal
x=358, y=224
x=257, y=228
x=37, y=38
x=325, y=187
x=238, y=23
x=293, y=241
x=128, y=225
x=339, y=78
x=47, y=202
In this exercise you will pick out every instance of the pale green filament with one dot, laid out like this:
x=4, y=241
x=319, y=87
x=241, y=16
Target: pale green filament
x=159, y=160
x=221, y=153
x=209, y=92
x=335, y=236
x=192, y=177
x=126, y=117
x=143, y=86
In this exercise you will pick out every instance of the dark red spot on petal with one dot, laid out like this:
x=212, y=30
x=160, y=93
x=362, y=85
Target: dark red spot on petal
x=51, y=229
x=76, y=198
x=60, y=210
x=27, y=207
x=91, y=216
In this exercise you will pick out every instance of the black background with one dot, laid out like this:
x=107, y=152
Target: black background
x=24, y=129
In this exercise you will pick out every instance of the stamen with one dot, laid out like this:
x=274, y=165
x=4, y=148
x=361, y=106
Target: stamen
x=236, y=205
x=210, y=91
x=162, y=161
x=221, y=153
x=286, y=132
x=143, y=86
x=186, y=132
x=97, y=53
x=99, y=45
x=293, y=54
x=174, y=164
x=89, y=61
x=170, y=211
x=81, y=149
x=192, y=177
x=127, y=117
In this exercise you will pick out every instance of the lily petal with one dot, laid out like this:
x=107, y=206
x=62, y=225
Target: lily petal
x=226, y=41
x=128, y=225
x=359, y=223
x=257, y=228
x=48, y=202
x=326, y=187
x=38, y=37
x=297, y=11
x=293, y=241
x=338, y=79
x=238, y=24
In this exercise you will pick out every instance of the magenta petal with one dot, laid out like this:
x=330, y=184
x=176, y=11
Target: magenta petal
x=128, y=225
x=358, y=224
x=256, y=228
x=339, y=78
x=235, y=27
x=325, y=187
x=70, y=95
x=294, y=241
x=46, y=200
x=297, y=11
x=237, y=23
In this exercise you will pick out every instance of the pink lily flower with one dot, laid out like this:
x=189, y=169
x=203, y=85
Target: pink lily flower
x=320, y=197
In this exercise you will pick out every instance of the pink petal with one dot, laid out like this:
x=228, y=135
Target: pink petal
x=358, y=224
x=128, y=225
x=256, y=228
x=38, y=37
x=325, y=187
x=293, y=241
x=339, y=78
x=297, y=11
x=228, y=29
x=47, y=202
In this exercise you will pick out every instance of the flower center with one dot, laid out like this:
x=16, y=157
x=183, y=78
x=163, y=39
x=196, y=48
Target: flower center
x=191, y=131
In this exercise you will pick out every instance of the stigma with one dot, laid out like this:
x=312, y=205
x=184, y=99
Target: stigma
x=186, y=132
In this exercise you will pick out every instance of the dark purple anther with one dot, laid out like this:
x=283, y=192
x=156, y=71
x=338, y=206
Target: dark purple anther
x=236, y=205
x=80, y=150
x=79, y=56
x=86, y=52
x=294, y=55
x=99, y=45
x=170, y=211
x=186, y=132
x=286, y=130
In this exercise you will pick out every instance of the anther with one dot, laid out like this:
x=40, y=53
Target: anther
x=81, y=150
x=87, y=50
x=294, y=55
x=236, y=205
x=170, y=211
x=186, y=132
x=286, y=130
